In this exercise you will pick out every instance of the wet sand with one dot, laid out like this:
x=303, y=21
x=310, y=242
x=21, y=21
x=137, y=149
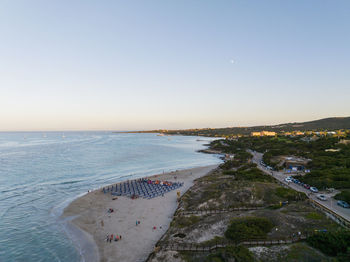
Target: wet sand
x=89, y=213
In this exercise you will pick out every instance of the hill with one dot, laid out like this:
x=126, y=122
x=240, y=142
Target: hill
x=326, y=124
x=331, y=123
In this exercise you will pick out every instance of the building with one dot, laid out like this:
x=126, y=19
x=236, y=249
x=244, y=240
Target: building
x=295, y=163
x=263, y=133
x=294, y=133
x=268, y=133
x=255, y=134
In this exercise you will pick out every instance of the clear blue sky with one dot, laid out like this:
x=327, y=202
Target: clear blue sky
x=126, y=65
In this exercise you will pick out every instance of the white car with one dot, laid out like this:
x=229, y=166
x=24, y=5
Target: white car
x=288, y=179
x=314, y=189
x=322, y=197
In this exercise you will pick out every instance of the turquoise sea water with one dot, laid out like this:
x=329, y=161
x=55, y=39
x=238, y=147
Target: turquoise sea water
x=40, y=173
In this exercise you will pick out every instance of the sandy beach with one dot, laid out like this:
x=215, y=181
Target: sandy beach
x=90, y=214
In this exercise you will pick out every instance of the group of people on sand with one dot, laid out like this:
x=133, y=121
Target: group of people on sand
x=112, y=237
x=158, y=182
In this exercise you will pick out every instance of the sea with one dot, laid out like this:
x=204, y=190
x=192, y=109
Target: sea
x=42, y=172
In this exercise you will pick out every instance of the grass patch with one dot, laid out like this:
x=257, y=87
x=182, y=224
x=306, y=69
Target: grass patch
x=247, y=228
x=289, y=194
x=275, y=206
x=212, y=241
x=252, y=174
x=182, y=222
x=314, y=215
x=229, y=172
x=301, y=252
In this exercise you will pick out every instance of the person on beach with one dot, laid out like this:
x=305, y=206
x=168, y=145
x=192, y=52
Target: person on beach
x=120, y=237
x=110, y=240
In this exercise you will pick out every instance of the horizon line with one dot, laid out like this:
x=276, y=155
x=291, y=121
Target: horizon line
x=159, y=129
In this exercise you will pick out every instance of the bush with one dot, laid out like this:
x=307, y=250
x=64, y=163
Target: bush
x=252, y=174
x=248, y=228
x=275, y=206
x=314, y=215
x=289, y=194
x=185, y=221
x=331, y=243
x=230, y=164
x=239, y=253
x=344, y=195
x=243, y=156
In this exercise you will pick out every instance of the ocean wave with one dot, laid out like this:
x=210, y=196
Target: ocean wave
x=67, y=182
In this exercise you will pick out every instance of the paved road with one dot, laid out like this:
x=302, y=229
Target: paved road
x=330, y=203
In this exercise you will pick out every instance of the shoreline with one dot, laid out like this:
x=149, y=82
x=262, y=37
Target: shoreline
x=84, y=242
x=88, y=213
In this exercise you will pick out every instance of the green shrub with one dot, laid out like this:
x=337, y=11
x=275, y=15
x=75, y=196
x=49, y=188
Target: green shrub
x=229, y=172
x=343, y=195
x=252, y=174
x=247, y=166
x=331, y=243
x=289, y=194
x=217, y=257
x=230, y=164
x=314, y=215
x=275, y=206
x=243, y=156
x=239, y=253
x=185, y=221
x=247, y=228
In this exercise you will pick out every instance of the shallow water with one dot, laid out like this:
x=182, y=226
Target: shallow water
x=40, y=173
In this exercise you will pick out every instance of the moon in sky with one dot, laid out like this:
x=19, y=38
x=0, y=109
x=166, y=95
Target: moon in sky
x=232, y=61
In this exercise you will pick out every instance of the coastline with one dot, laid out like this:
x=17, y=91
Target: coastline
x=88, y=249
x=88, y=214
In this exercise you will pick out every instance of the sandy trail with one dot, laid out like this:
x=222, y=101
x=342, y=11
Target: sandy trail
x=90, y=214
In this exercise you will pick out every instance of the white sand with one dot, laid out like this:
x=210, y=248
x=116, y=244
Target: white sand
x=137, y=241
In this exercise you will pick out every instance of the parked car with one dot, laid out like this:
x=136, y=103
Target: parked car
x=314, y=189
x=307, y=186
x=288, y=179
x=343, y=204
x=322, y=197
x=296, y=181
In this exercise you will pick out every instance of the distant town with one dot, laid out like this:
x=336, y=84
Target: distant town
x=334, y=127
